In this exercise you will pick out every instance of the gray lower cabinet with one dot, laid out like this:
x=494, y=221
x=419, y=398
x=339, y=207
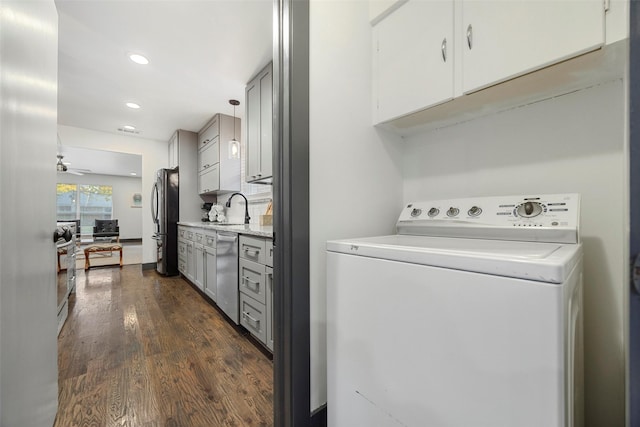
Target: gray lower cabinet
x=210, y=280
x=269, y=287
x=255, y=283
x=182, y=256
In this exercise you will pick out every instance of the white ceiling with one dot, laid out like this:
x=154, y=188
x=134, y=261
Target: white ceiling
x=201, y=53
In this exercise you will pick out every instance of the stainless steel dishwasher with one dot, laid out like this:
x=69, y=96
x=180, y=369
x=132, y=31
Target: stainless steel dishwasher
x=227, y=273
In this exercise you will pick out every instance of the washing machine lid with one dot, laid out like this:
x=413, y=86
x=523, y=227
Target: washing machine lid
x=542, y=262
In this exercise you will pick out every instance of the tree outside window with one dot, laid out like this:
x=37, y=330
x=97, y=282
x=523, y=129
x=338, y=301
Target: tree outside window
x=84, y=202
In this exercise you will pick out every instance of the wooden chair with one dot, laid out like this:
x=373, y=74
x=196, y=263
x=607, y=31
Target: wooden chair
x=104, y=231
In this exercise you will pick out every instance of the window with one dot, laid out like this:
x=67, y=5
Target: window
x=86, y=202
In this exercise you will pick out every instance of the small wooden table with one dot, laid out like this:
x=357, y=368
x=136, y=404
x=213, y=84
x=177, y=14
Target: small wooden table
x=103, y=247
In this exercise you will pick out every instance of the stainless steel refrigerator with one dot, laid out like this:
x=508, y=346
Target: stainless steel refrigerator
x=165, y=210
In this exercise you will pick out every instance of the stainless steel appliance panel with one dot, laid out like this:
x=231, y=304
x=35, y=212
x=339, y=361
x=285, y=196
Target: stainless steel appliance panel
x=165, y=211
x=227, y=273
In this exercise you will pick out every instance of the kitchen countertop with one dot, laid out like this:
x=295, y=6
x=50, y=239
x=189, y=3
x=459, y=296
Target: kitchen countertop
x=251, y=229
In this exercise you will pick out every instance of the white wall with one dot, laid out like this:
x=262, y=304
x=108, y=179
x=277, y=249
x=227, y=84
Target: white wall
x=129, y=217
x=573, y=143
x=155, y=155
x=258, y=205
x=355, y=173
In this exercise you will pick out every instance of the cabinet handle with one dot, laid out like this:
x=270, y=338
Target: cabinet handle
x=247, y=280
x=251, y=252
x=248, y=317
x=444, y=49
x=206, y=141
x=470, y=36
x=206, y=166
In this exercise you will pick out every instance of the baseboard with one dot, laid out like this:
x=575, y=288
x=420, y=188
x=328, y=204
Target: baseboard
x=149, y=266
x=319, y=417
x=131, y=241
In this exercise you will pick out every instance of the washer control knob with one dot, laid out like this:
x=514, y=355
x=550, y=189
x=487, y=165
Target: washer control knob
x=433, y=212
x=529, y=209
x=453, y=211
x=416, y=212
x=474, y=211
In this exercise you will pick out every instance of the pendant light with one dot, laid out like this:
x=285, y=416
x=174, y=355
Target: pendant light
x=234, y=145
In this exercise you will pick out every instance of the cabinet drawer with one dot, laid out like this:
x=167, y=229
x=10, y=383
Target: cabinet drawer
x=268, y=253
x=182, y=265
x=182, y=248
x=209, y=156
x=206, y=136
x=252, y=280
x=252, y=249
x=198, y=237
x=210, y=240
x=190, y=235
x=182, y=232
x=209, y=180
x=253, y=317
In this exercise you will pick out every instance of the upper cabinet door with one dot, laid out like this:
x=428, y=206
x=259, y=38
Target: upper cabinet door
x=413, y=58
x=266, y=124
x=503, y=39
x=252, y=118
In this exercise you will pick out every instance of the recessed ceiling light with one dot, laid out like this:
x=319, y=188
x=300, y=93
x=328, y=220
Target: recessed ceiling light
x=133, y=173
x=132, y=105
x=127, y=127
x=138, y=59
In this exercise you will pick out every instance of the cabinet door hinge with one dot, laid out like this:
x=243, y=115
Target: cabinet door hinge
x=607, y=4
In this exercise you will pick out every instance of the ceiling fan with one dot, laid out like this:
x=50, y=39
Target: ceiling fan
x=62, y=167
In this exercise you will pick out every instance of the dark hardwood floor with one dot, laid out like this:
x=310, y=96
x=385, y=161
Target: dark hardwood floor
x=142, y=350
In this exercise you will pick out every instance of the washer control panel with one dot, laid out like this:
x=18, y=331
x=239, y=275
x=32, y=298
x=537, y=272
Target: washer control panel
x=549, y=212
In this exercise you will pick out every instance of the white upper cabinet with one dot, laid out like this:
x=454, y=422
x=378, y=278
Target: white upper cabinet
x=259, y=133
x=413, y=58
x=428, y=52
x=503, y=39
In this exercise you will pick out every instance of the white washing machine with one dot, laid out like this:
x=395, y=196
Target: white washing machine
x=470, y=316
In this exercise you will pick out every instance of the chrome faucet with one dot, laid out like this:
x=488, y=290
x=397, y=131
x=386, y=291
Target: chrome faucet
x=246, y=206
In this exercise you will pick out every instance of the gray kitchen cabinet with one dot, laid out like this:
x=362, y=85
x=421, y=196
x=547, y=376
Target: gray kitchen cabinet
x=191, y=268
x=269, y=306
x=173, y=151
x=218, y=171
x=197, y=258
x=198, y=263
x=259, y=127
x=209, y=180
x=210, y=280
x=252, y=280
x=183, y=155
x=253, y=249
x=182, y=256
x=253, y=317
x=255, y=286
